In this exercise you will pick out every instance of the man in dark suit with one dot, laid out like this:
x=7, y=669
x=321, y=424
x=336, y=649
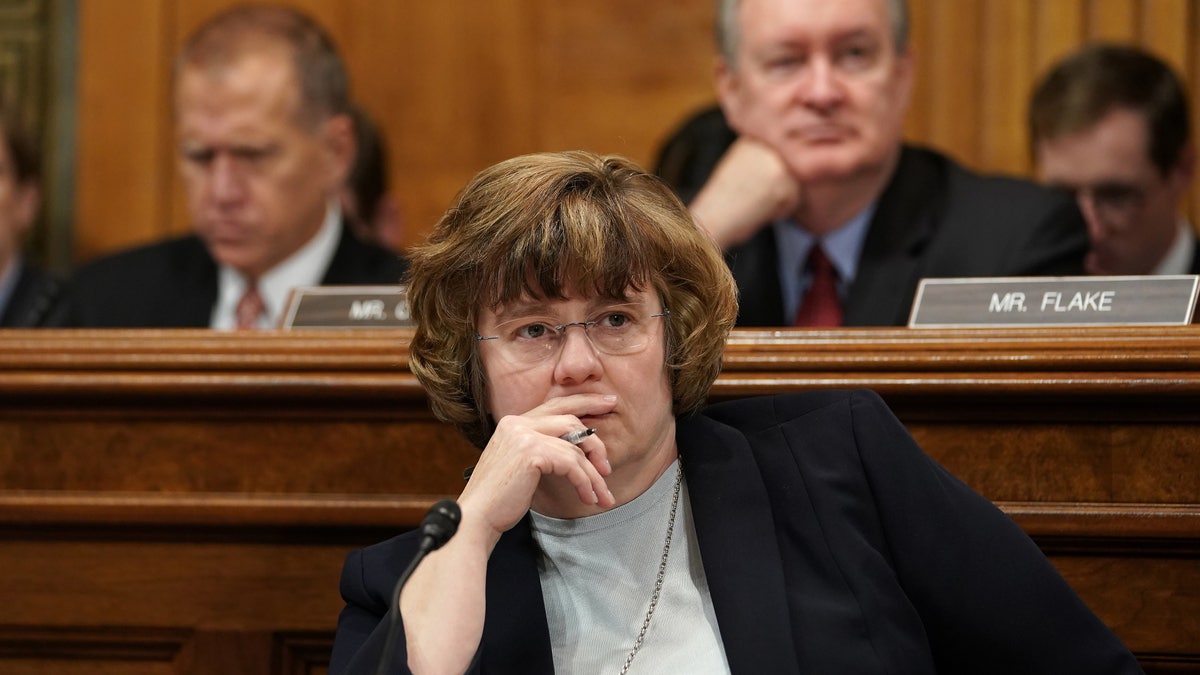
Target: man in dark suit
x=1110, y=124
x=817, y=202
x=27, y=292
x=265, y=144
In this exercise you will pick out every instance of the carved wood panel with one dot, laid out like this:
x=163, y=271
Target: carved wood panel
x=181, y=501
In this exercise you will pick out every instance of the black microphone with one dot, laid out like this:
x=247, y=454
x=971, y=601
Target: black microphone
x=439, y=524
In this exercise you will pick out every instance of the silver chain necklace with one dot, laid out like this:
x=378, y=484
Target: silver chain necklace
x=662, y=572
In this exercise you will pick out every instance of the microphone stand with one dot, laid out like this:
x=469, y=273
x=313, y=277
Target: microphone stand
x=440, y=523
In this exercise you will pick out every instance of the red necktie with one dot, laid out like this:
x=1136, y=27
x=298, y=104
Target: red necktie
x=249, y=308
x=820, y=305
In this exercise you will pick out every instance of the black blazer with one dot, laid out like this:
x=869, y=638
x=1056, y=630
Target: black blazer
x=934, y=219
x=173, y=284
x=34, y=300
x=830, y=543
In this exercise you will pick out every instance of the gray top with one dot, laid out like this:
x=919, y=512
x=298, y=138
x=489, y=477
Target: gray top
x=598, y=573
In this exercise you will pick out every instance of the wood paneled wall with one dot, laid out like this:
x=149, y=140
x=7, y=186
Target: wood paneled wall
x=978, y=60
x=460, y=84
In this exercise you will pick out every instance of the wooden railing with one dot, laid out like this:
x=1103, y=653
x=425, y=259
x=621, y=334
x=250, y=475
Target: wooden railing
x=182, y=500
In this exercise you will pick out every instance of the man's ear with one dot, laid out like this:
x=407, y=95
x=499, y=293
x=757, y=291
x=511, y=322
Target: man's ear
x=341, y=146
x=1179, y=178
x=728, y=85
x=906, y=73
x=1186, y=166
x=28, y=202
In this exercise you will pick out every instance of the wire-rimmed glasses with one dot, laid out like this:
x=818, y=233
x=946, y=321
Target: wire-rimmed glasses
x=1115, y=203
x=616, y=330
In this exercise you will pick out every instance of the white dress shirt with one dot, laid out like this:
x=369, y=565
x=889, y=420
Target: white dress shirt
x=1179, y=257
x=305, y=267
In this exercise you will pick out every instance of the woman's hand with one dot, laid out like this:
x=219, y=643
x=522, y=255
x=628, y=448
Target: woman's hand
x=525, y=448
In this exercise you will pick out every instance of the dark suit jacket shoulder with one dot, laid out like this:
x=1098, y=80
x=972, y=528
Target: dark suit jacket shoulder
x=692, y=150
x=358, y=262
x=830, y=544
x=168, y=284
x=173, y=283
x=34, y=299
x=937, y=219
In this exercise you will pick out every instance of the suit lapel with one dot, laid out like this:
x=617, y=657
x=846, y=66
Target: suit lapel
x=342, y=265
x=516, y=637
x=904, y=222
x=1195, y=266
x=196, y=298
x=755, y=266
x=737, y=538
x=32, y=298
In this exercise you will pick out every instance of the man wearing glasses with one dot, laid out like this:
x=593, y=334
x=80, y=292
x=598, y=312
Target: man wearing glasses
x=1110, y=124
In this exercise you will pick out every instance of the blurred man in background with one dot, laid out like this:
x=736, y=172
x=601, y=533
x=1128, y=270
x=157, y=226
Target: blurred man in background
x=27, y=292
x=265, y=144
x=367, y=202
x=826, y=216
x=1110, y=125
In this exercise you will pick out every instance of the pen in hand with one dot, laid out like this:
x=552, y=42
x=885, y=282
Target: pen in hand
x=576, y=437
x=572, y=437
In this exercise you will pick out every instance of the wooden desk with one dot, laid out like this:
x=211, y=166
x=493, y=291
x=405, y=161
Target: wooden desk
x=181, y=501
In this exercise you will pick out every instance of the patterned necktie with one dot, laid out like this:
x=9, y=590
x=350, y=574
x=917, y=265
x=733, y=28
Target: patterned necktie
x=820, y=305
x=249, y=308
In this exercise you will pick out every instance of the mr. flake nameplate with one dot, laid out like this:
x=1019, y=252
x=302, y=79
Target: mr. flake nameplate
x=347, y=307
x=1165, y=300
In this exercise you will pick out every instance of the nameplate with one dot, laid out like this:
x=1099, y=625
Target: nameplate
x=347, y=307
x=1166, y=300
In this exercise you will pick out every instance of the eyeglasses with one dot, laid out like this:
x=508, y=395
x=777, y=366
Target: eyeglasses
x=1113, y=203
x=617, y=330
